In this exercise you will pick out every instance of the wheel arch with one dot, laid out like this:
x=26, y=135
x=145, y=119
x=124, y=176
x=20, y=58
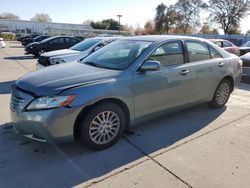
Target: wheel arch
x=231, y=79
x=119, y=102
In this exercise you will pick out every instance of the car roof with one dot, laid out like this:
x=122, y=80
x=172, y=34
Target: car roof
x=154, y=38
x=218, y=40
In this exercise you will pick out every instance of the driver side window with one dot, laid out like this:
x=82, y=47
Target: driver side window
x=168, y=54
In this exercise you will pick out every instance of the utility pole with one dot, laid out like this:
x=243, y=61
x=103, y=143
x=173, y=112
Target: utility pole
x=119, y=16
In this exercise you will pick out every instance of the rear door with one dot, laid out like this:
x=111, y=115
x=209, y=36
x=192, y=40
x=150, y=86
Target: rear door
x=206, y=68
x=56, y=44
x=70, y=42
x=155, y=91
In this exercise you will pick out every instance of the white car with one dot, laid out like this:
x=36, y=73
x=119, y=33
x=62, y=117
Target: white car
x=76, y=52
x=2, y=44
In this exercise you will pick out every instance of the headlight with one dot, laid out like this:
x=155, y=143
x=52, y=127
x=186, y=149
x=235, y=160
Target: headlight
x=56, y=61
x=50, y=102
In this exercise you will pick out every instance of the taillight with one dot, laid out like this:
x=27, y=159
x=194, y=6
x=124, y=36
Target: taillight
x=240, y=63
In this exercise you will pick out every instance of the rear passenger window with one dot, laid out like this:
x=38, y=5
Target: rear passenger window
x=214, y=53
x=168, y=54
x=226, y=44
x=197, y=51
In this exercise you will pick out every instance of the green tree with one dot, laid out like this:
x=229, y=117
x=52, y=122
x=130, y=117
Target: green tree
x=160, y=18
x=228, y=13
x=108, y=24
x=165, y=18
x=8, y=15
x=41, y=18
x=171, y=18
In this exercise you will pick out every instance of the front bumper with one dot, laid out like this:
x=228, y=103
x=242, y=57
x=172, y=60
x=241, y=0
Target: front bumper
x=54, y=125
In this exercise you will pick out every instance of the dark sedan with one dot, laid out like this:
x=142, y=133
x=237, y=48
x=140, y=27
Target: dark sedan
x=50, y=44
x=29, y=40
x=28, y=37
x=246, y=67
x=245, y=48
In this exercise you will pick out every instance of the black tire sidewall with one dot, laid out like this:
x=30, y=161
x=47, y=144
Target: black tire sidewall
x=85, y=121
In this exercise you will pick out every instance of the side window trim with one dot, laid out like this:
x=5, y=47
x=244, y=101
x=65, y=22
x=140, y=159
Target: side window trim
x=210, y=47
x=181, y=42
x=187, y=53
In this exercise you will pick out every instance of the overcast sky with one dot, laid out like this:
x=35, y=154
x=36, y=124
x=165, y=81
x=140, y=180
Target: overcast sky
x=76, y=11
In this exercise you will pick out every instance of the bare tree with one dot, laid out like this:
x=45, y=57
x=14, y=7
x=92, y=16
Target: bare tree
x=149, y=27
x=166, y=17
x=228, y=13
x=8, y=15
x=189, y=10
x=41, y=18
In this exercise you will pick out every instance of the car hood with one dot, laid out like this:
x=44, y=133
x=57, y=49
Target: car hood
x=60, y=53
x=33, y=44
x=54, y=79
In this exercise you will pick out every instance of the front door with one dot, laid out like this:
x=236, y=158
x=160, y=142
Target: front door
x=155, y=91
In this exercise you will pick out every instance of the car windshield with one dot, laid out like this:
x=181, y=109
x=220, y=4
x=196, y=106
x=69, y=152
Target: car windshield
x=247, y=44
x=117, y=55
x=84, y=45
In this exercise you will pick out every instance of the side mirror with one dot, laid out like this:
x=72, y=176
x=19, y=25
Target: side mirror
x=150, y=66
x=98, y=48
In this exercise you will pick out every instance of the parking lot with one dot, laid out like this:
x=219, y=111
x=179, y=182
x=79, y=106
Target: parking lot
x=199, y=147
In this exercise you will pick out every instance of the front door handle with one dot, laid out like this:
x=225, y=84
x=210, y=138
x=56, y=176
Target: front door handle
x=184, y=72
x=221, y=64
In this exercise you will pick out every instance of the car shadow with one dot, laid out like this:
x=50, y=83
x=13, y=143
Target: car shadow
x=20, y=57
x=49, y=165
x=5, y=87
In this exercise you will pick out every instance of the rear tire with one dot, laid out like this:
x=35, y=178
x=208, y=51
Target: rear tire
x=222, y=94
x=101, y=126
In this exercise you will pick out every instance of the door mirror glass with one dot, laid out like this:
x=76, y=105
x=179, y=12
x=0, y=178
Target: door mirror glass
x=150, y=66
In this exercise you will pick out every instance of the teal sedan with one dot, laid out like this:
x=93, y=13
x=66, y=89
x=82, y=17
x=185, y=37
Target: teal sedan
x=126, y=82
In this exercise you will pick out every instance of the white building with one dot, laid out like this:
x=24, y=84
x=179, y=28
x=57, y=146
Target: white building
x=27, y=27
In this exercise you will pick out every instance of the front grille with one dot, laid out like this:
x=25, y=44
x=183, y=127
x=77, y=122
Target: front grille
x=44, y=61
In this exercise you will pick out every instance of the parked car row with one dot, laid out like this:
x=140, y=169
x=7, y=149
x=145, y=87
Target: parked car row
x=243, y=52
x=50, y=44
x=130, y=80
x=76, y=52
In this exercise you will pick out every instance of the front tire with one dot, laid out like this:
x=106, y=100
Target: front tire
x=39, y=52
x=101, y=126
x=222, y=94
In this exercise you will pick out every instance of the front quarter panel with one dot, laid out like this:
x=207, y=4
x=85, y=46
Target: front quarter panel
x=115, y=88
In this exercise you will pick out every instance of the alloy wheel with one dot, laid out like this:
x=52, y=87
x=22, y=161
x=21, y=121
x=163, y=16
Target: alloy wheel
x=104, y=127
x=223, y=93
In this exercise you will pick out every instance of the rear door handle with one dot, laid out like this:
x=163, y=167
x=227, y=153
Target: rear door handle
x=221, y=64
x=184, y=72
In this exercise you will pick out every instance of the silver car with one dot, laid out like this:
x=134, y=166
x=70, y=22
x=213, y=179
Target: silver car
x=123, y=83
